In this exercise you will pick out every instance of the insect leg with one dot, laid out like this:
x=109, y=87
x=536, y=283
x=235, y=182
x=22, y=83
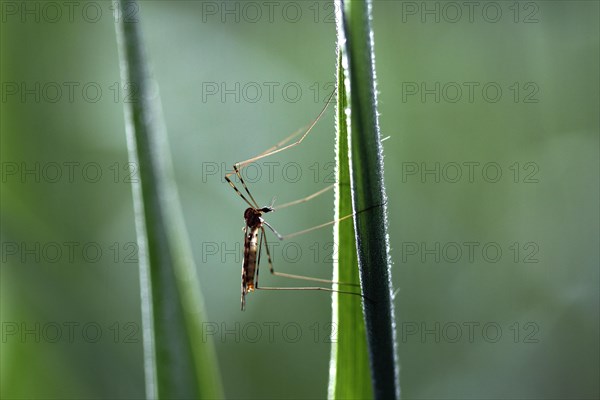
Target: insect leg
x=281, y=146
x=293, y=276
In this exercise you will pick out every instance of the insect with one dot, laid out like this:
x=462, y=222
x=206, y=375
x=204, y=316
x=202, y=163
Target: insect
x=254, y=229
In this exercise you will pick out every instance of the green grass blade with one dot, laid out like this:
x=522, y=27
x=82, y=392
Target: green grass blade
x=368, y=194
x=349, y=373
x=178, y=364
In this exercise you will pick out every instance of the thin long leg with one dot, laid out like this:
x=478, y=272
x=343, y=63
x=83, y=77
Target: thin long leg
x=314, y=228
x=237, y=172
x=238, y=192
x=273, y=229
x=310, y=288
x=302, y=232
x=305, y=199
x=292, y=276
x=278, y=147
x=263, y=237
x=275, y=149
x=244, y=291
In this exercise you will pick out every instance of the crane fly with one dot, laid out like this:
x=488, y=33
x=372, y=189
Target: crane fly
x=254, y=229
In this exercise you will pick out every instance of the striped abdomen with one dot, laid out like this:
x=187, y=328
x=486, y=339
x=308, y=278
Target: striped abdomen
x=253, y=227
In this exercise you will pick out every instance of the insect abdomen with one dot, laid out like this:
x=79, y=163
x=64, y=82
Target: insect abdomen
x=250, y=254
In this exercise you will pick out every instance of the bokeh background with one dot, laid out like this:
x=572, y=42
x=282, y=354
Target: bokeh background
x=493, y=193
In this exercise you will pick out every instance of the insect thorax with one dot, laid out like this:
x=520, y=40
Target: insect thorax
x=252, y=217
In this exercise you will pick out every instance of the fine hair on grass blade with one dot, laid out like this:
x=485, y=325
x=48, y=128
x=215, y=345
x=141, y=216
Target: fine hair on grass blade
x=349, y=366
x=355, y=39
x=177, y=363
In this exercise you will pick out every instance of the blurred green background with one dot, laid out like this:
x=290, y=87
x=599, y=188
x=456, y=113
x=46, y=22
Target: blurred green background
x=497, y=275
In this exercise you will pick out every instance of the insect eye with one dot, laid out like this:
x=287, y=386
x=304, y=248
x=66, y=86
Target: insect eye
x=266, y=209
